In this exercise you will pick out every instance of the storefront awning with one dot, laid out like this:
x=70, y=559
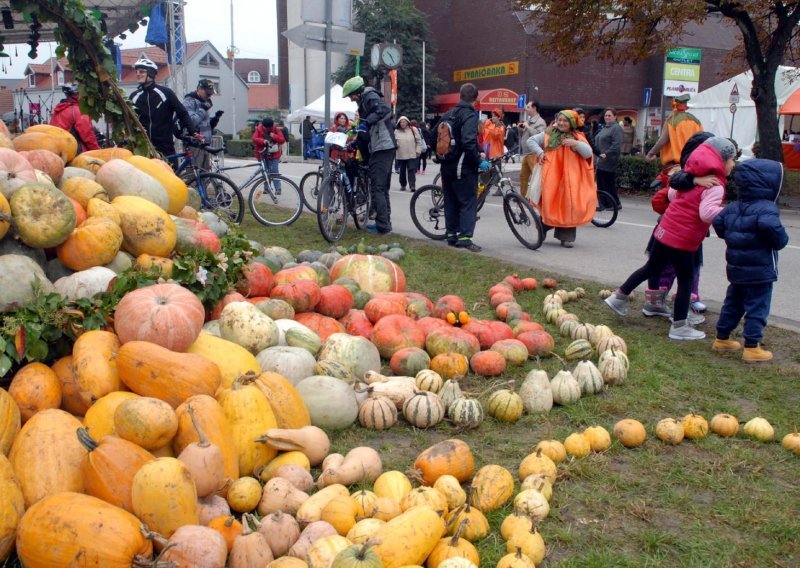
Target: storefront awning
x=488, y=99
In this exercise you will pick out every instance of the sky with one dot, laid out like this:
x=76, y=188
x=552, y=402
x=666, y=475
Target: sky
x=254, y=32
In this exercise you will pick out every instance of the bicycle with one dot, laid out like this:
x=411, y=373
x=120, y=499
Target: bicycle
x=607, y=210
x=427, y=208
x=270, y=205
x=217, y=192
x=309, y=187
x=338, y=198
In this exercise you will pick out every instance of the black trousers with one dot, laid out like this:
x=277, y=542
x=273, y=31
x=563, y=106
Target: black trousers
x=607, y=181
x=460, y=206
x=380, y=167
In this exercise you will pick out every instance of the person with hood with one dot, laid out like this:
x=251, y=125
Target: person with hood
x=198, y=104
x=681, y=231
x=376, y=130
x=494, y=134
x=753, y=236
x=268, y=139
x=680, y=126
x=409, y=149
x=68, y=116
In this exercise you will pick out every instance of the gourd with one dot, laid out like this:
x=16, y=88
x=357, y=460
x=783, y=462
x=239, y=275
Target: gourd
x=245, y=325
x=759, y=429
x=670, y=431
x=538, y=463
x=280, y=495
x=284, y=399
x=533, y=504
x=356, y=353
x=364, y=530
x=357, y=556
x=120, y=178
x=451, y=488
x=695, y=426
x=250, y=548
x=310, y=440
x=323, y=550
x=244, y=494
x=453, y=547
x=429, y=380
x=360, y=465
x=164, y=496
x=589, y=377
x=577, y=445
x=536, y=393
x=539, y=483
x=228, y=527
x=505, y=405
x=12, y=507
x=294, y=363
x=449, y=457
x=553, y=449
x=192, y=545
x=204, y=460
x=145, y=421
x=424, y=409
x=44, y=217
x=724, y=425
x=791, y=442
x=331, y=403
x=493, y=486
x=35, y=387
x=146, y=227
x=424, y=496
x=466, y=412
x=476, y=527
x=450, y=391
x=598, y=437
x=86, y=283
x=516, y=560
x=10, y=421
x=630, y=433
x=311, y=509
x=377, y=412
x=614, y=369
x=409, y=538
x=393, y=485
x=95, y=242
x=281, y=531
x=340, y=512
x=566, y=389
x=529, y=542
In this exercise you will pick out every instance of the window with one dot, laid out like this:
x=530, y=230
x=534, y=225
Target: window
x=59, y=78
x=32, y=80
x=254, y=77
x=208, y=61
x=214, y=80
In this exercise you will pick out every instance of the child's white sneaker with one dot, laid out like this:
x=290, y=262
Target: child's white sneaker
x=683, y=330
x=698, y=307
x=617, y=304
x=694, y=319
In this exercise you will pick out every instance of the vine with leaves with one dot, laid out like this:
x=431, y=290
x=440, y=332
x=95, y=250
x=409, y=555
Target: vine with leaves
x=80, y=38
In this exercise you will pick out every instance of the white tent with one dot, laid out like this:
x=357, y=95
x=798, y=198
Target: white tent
x=712, y=106
x=316, y=109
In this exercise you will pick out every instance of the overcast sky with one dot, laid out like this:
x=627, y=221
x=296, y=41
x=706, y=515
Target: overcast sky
x=254, y=31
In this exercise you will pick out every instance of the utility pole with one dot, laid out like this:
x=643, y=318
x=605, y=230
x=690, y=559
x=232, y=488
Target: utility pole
x=233, y=79
x=423, y=84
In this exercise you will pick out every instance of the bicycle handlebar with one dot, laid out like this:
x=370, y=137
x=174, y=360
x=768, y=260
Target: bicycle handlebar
x=195, y=142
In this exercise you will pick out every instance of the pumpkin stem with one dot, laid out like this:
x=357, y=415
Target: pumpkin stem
x=491, y=387
x=563, y=363
x=416, y=476
x=519, y=552
x=86, y=439
x=362, y=553
x=203, y=443
x=457, y=535
x=248, y=522
x=455, y=514
x=225, y=486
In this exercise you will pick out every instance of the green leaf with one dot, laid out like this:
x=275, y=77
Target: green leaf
x=36, y=350
x=5, y=365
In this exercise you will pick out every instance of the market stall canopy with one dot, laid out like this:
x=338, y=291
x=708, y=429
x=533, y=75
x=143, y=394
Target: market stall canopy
x=792, y=104
x=316, y=109
x=119, y=15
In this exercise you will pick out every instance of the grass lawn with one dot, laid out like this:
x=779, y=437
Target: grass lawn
x=714, y=502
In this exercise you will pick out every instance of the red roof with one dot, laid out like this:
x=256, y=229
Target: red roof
x=262, y=97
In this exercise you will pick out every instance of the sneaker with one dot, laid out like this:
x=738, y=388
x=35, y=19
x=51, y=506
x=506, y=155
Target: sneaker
x=756, y=354
x=402, y=189
x=684, y=331
x=618, y=305
x=567, y=244
x=277, y=192
x=698, y=307
x=656, y=310
x=472, y=247
x=694, y=319
x=371, y=229
x=725, y=345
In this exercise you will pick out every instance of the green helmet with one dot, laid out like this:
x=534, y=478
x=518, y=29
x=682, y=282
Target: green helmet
x=352, y=85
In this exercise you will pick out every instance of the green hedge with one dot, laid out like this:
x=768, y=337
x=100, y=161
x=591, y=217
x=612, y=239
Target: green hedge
x=635, y=173
x=240, y=148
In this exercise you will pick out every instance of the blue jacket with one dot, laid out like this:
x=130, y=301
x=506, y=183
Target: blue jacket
x=752, y=226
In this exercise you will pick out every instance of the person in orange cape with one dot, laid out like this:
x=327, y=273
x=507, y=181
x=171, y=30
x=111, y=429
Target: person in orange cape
x=569, y=192
x=494, y=134
x=680, y=126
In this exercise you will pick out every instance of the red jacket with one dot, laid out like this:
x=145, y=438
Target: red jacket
x=263, y=136
x=66, y=115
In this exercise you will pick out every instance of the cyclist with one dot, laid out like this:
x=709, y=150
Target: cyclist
x=68, y=116
x=268, y=139
x=157, y=106
x=198, y=104
x=377, y=128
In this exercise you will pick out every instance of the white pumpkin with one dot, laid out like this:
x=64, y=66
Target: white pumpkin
x=18, y=274
x=566, y=389
x=331, y=402
x=246, y=325
x=286, y=324
x=294, y=363
x=356, y=353
x=588, y=377
x=85, y=284
x=537, y=396
x=614, y=368
x=213, y=222
x=212, y=327
x=118, y=177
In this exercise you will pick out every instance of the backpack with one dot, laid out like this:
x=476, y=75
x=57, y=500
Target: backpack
x=418, y=135
x=446, y=147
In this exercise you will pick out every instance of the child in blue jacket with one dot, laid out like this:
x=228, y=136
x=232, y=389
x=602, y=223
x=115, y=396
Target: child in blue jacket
x=753, y=234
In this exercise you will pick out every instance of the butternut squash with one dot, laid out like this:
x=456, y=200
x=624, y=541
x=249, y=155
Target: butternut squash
x=409, y=538
x=93, y=358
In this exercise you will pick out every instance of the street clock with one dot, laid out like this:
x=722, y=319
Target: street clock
x=386, y=55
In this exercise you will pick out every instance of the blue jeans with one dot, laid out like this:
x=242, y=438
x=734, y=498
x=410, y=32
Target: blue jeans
x=750, y=301
x=272, y=165
x=460, y=207
x=307, y=146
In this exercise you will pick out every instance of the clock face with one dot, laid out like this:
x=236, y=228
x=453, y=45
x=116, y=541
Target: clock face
x=390, y=56
x=375, y=55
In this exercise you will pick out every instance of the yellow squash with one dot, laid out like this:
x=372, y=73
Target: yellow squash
x=164, y=496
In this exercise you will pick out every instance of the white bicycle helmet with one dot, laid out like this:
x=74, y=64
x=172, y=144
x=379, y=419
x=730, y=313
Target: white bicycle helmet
x=147, y=64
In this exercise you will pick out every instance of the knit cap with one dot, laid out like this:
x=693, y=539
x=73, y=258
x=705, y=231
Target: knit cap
x=723, y=146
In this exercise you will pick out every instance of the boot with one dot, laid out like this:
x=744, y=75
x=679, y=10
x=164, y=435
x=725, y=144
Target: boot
x=683, y=330
x=756, y=354
x=725, y=345
x=655, y=303
x=618, y=303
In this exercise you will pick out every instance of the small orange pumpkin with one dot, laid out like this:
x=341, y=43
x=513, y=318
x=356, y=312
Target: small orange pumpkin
x=94, y=242
x=449, y=457
x=35, y=387
x=450, y=365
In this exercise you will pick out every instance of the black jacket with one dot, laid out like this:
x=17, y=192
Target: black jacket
x=465, y=130
x=156, y=106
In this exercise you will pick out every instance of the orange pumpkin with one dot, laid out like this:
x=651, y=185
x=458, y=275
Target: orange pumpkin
x=319, y=324
x=450, y=365
x=382, y=306
x=334, y=301
x=287, y=404
x=107, y=154
x=67, y=144
x=109, y=467
x=302, y=295
x=87, y=163
x=228, y=527
x=395, y=332
x=487, y=363
x=99, y=208
x=94, y=242
x=99, y=419
x=35, y=387
x=165, y=314
x=159, y=265
x=447, y=304
x=41, y=141
x=449, y=457
x=83, y=189
x=70, y=395
x=10, y=421
x=5, y=215
x=46, y=161
x=93, y=358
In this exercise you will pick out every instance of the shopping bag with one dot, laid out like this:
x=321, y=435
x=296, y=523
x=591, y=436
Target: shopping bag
x=535, y=184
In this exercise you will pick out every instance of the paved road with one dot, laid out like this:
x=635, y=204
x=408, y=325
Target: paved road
x=602, y=255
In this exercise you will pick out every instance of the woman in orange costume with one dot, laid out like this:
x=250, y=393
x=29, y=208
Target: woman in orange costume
x=680, y=126
x=494, y=134
x=569, y=193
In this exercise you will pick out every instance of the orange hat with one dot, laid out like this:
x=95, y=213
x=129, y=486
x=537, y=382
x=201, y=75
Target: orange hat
x=498, y=112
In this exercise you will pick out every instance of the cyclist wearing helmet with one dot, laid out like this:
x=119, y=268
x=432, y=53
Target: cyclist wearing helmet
x=376, y=128
x=68, y=116
x=198, y=104
x=156, y=106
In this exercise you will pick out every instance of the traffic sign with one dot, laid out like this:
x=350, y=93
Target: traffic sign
x=341, y=12
x=648, y=92
x=521, y=100
x=309, y=36
x=734, y=96
x=733, y=108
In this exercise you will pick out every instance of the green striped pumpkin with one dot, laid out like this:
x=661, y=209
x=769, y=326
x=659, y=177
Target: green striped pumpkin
x=377, y=413
x=568, y=327
x=331, y=368
x=424, y=409
x=583, y=331
x=614, y=370
x=614, y=353
x=588, y=377
x=566, y=389
x=610, y=341
x=578, y=349
x=505, y=405
x=449, y=392
x=429, y=380
x=466, y=412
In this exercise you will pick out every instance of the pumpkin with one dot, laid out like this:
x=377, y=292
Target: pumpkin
x=553, y=449
x=257, y=280
x=450, y=365
x=695, y=426
x=386, y=305
x=294, y=363
x=493, y=486
x=566, y=389
x=756, y=428
x=87, y=163
x=231, y=359
x=598, y=437
x=10, y=421
x=195, y=236
x=321, y=326
x=489, y=363
x=165, y=314
x=630, y=432
x=44, y=216
x=86, y=283
x=155, y=265
x=46, y=161
x=359, y=555
x=164, y=496
x=530, y=543
x=99, y=419
x=244, y=494
x=15, y=171
x=276, y=309
x=395, y=332
x=514, y=351
x=452, y=548
x=589, y=377
x=121, y=178
x=578, y=350
x=145, y=421
x=451, y=340
x=302, y=295
x=409, y=361
x=246, y=325
x=538, y=463
x=284, y=399
x=108, y=154
x=532, y=503
x=46, y=455
x=5, y=216
x=536, y=392
x=790, y=442
x=613, y=366
x=35, y=387
x=424, y=409
x=70, y=529
x=577, y=445
x=151, y=370
x=450, y=391
x=331, y=403
x=175, y=187
x=538, y=342
x=358, y=354
x=377, y=413
x=12, y=506
x=32, y=140
x=505, y=405
x=249, y=415
x=94, y=242
x=192, y=545
x=228, y=527
x=335, y=301
x=670, y=431
x=146, y=228
x=449, y=457
x=409, y=538
x=429, y=380
x=724, y=425
x=66, y=143
x=372, y=273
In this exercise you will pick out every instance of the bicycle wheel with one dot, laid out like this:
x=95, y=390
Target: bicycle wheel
x=331, y=209
x=607, y=210
x=222, y=196
x=274, y=207
x=309, y=188
x=523, y=220
x=438, y=179
x=362, y=200
x=427, y=211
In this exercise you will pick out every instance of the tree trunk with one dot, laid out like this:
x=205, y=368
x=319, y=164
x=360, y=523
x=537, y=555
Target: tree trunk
x=763, y=95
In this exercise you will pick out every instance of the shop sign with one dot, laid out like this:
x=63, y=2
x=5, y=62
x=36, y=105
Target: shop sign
x=487, y=72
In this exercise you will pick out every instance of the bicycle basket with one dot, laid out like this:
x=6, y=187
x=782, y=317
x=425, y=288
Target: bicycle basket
x=336, y=139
